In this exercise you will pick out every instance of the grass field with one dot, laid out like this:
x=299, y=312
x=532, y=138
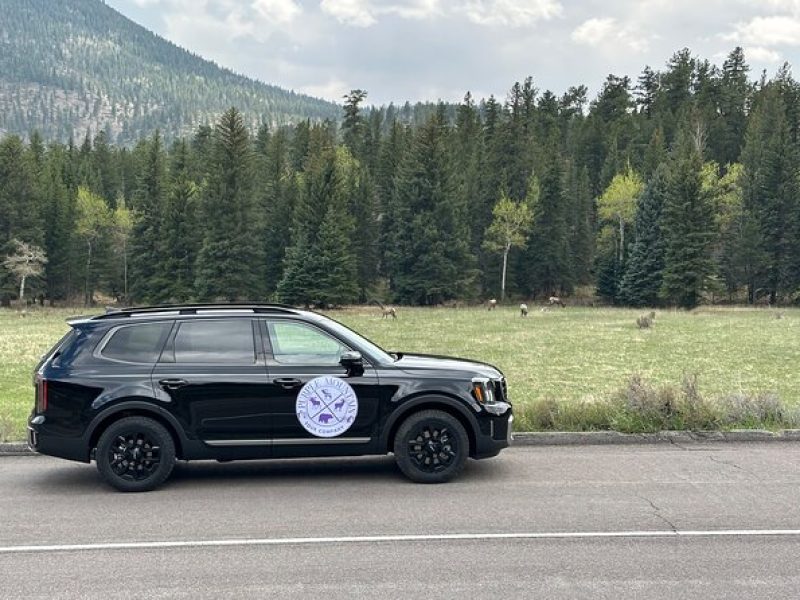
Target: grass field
x=563, y=356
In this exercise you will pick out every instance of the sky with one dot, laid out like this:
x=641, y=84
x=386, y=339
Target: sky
x=428, y=50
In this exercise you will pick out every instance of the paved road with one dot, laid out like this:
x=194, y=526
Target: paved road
x=568, y=490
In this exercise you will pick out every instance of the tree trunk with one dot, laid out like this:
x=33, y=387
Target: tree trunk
x=621, y=240
x=87, y=294
x=22, y=290
x=125, y=270
x=505, y=267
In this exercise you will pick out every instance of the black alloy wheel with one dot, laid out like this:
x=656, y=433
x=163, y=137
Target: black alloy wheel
x=431, y=447
x=135, y=454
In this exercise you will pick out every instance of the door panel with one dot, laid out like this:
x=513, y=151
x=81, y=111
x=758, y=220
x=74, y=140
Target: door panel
x=215, y=376
x=299, y=353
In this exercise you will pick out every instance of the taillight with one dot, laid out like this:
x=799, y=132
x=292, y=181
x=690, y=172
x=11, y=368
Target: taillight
x=41, y=395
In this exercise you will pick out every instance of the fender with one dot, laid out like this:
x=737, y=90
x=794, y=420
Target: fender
x=407, y=406
x=141, y=405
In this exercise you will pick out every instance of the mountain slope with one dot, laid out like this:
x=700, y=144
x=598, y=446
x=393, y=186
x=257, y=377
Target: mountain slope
x=71, y=65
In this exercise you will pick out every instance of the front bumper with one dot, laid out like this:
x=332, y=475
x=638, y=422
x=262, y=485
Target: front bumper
x=495, y=435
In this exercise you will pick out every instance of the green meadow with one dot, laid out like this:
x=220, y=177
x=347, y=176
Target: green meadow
x=562, y=358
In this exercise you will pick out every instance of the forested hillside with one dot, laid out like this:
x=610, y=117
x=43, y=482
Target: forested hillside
x=73, y=65
x=677, y=189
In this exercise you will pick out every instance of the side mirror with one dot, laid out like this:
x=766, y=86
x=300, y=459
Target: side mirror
x=353, y=362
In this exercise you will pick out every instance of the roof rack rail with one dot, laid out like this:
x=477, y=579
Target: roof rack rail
x=192, y=309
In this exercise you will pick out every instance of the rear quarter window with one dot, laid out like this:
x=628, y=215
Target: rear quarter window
x=139, y=343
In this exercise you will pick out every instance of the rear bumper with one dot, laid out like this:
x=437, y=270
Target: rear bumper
x=40, y=441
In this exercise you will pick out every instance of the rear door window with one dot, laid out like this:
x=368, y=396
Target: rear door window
x=140, y=343
x=225, y=341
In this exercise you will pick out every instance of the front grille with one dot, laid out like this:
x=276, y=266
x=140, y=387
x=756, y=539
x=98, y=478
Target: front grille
x=501, y=390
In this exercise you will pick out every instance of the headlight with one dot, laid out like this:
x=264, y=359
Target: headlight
x=483, y=390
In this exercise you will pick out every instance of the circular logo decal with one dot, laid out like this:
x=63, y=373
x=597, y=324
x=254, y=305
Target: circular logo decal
x=326, y=406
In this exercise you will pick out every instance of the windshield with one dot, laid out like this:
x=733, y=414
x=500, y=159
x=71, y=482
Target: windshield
x=359, y=340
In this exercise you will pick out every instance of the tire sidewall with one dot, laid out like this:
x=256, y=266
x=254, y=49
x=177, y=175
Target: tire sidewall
x=403, y=456
x=138, y=424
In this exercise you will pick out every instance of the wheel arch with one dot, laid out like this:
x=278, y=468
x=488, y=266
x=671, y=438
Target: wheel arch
x=430, y=401
x=135, y=408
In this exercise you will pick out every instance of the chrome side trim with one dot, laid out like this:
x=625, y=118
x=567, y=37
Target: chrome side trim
x=288, y=442
x=315, y=441
x=237, y=442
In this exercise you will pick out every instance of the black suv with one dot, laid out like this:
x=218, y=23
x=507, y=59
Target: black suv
x=135, y=389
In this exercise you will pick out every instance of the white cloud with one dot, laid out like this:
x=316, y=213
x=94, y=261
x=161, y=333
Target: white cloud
x=609, y=33
x=365, y=13
x=767, y=31
x=779, y=5
x=594, y=31
x=417, y=9
x=511, y=13
x=333, y=89
x=350, y=12
x=278, y=11
x=760, y=54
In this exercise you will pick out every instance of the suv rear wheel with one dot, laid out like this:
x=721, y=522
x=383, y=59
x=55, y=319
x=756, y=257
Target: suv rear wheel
x=135, y=454
x=431, y=446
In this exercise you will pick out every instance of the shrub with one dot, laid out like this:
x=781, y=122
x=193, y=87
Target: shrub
x=641, y=407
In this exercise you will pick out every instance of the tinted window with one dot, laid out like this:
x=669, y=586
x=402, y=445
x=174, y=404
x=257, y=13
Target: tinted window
x=298, y=344
x=215, y=342
x=137, y=343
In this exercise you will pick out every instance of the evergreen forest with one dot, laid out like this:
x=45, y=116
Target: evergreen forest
x=678, y=188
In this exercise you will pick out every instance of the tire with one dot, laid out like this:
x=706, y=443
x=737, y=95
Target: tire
x=135, y=454
x=431, y=446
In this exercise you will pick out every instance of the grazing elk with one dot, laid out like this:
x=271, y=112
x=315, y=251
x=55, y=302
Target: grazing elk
x=523, y=310
x=556, y=300
x=386, y=311
x=491, y=304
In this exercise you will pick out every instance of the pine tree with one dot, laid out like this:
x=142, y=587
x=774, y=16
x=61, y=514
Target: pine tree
x=337, y=280
x=180, y=223
x=734, y=90
x=771, y=191
x=59, y=208
x=19, y=210
x=547, y=261
x=148, y=275
x=641, y=283
x=229, y=261
x=687, y=227
x=353, y=126
x=430, y=259
x=298, y=281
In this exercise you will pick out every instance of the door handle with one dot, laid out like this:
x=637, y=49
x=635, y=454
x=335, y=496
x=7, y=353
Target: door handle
x=287, y=383
x=172, y=384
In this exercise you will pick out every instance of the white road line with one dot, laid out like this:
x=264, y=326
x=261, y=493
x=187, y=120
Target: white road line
x=402, y=538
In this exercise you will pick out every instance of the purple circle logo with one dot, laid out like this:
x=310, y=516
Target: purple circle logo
x=326, y=406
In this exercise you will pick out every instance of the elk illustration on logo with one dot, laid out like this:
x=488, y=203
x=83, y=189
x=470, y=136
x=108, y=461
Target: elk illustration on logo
x=326, y=406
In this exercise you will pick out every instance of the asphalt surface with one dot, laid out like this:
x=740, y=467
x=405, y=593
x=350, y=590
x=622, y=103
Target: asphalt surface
x=618, y=508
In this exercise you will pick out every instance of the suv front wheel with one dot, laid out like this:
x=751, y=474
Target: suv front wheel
x=135, y=454
x=431, y=446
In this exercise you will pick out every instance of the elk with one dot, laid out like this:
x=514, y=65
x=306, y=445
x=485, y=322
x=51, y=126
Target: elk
x=492, y=304
x=386, y=311
x=556, y=300
x=523, y=310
